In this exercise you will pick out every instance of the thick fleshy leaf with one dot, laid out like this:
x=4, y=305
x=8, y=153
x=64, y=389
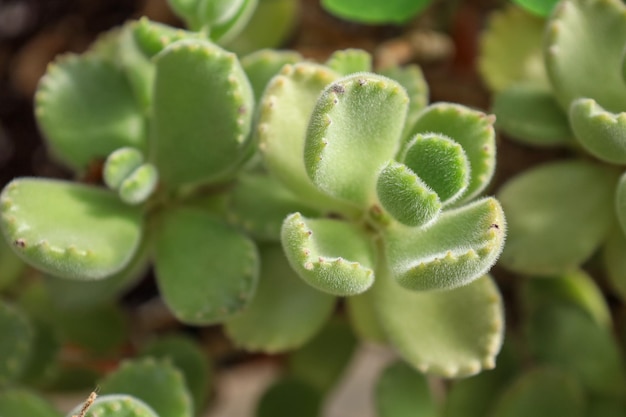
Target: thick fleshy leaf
x=261, y=66
x=355, y=129
x=203, y=105
x=188, y=356
x=600, y=132
x=70, y=230
x=331, y=255
x=153, y=37
x=405, y=196
x=206, y=270
x=15, y=345
x=452, y=333
x=284, y=314
x=538, y=7
x=557, y=215
x=586, y=63
x=412, y=79
x=290, y=397
x=226, y=18
x=137, y=67
x=86, y=109
x=119, y=165
x=511, y=49
x=349, y=61
x=158, y=383
x=375, y=11
x=441, y=163
x=115, y=406
x=139, y=185
x=530, y=114
x=459, y=247
x=473, y=130
x=22, y=403
x=364, y=317
x=284, y=115
x=11, y=266
x=542, y=392
x=615, y=262
x=402, y=392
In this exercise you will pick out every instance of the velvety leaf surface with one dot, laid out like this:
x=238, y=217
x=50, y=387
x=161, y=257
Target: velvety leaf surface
x=374, y=11
x=349, y=61
x=355, y=129
x=530, y=114
x=402, y=392
x=364, y=317
x=260, y=66
x=331, y=255
x=14, y=350
x=203, y=105
x=22, y=403
x=116, y=406
x=206, y=270
x=158, y=383
x=473, y=130
x=602, y=133
x=542, y=392
x=586, y=62
x=70, y=230
x=284, y=314
x=290, y=397
x=86, y=109
x=452, y=333
x=557, y=215
x=459, y=247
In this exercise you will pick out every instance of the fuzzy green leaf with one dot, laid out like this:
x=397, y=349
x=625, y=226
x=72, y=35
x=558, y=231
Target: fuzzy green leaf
x=405, y=196
x=375, y=11
x=459, y=247
x=22, y=403
x=86, y=109
x=285, y=312
x=331, y=255
x=158, y=383
x=402, y=392
x=364, y=318
x=586, y=63
x=69, y=230
x=557, y=214
x=16, y=343
x=452, y=333
x=349, y=61
x=600, y=132
x=542, y=392
x=153, y=37
x=473, y=130
x=137, y=67
x=290, y=397
x=206, y=270
x=119, y=165
x=441, y=163
x=261, y=66
x=530, y=114
x=203, y=105
x=116, y=406
x=355, y=129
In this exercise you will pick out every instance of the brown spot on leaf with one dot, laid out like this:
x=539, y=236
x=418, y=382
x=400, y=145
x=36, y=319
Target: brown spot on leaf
x=338, y=88
x=20, y=243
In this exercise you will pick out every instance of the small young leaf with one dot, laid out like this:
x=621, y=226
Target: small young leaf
x=557, y=215
x=22, y=403
x=115, y=406
x=139, y=185
x=402, y=392
x=355, y=129
x=375, y=11
x=412, y=79
x=203, y=105
x=206, y=270
x=459, y=247
x=86, y=109
x=285, y=312
x=16, y=343
x=225, y=18
x=153, y=37
x=601, y=132
x=119, y=165
x=158, y=383
x=290, y=397
x=331, y=255
x=349, y=61
x=69, y=230
x=260, y=66
x=452, y=333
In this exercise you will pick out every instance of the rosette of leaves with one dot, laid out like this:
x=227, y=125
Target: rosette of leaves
x=564, y=86
x=169, y=112
x=392, y=183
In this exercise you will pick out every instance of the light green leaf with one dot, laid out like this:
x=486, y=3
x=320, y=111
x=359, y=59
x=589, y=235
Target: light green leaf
x=115, y=406
x=14, y=350
x=11, y=266
x=206, y=270
x=69, y=230
x=375, y=11
x=453, y=333
x=203, y=105
x=364, y=317
x=557, y=215
x=349, y=61
x=153, y=37
x=86, y=109
x=331, y=255
x=355, y=129
x=261, y=66
x=139, y=185
x=22, y=403
x=412, y=79
x=226, y=18
x=403, y=392
x=459, y=247
x=119, y=165
x=540, y=8
x=284, y=314
x=601, y=132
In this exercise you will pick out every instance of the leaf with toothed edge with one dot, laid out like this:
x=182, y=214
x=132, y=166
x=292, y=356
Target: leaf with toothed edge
x=261, y=66
x=453, y=333
x=203, y=106
x=206, y=270
x=473, y=130
x=14, y=350
x=69, y=230
x=115, y=405
x=459, y=247
x=153, y=37
x=354, y=130
x=349, y=61
x=331, y=255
